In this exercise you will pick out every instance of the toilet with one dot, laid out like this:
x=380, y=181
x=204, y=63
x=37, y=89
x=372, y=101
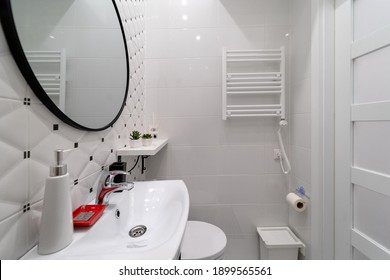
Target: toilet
x=203, y=241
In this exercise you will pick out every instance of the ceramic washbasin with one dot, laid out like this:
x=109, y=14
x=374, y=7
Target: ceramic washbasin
x=161, y=206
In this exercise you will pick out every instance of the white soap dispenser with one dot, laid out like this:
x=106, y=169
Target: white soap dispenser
x=56, y=230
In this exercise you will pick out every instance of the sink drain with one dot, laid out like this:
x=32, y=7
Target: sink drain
x=137, y=231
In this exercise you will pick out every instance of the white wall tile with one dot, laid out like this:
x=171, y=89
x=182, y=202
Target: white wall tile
x=241, y=13
x=301, y=96
x=182, y=43
x=195, y=131
x=202, y=189
x=183, y=102
x=244, y=219
x=193, y=13
x=278, y=12
x=241, y=38
x=278, y=36
x=160, y=165
x=13, y=183
x=183, y=72
x=193, y=161
x=301, y=130
x=14, y=236
x=241, y=131
x=204, y=213
x=241, y=160
x=300, y=162
x=182, y=14
x=300, y=61
x=251, y=189
x=242, y=247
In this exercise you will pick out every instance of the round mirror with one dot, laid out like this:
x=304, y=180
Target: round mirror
x=73, y=55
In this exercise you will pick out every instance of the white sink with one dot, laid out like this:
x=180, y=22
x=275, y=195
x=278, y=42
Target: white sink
x=161, y=206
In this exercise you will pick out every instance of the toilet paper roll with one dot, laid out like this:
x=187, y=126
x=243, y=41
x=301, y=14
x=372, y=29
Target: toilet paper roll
x=297, y=202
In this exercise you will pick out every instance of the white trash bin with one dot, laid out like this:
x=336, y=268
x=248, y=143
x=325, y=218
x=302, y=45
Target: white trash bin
x=279, y=243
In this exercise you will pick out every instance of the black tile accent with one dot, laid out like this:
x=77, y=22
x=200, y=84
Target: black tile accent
x=76, y=145
x=26, y=207
x=55, y=126
x=102, y=168
x=112, y=150
x=26, y=101
x=119, y=137
x=75, y=182
x=26, y=154
x=90, y=190
x=91, y=158
x=102, y=139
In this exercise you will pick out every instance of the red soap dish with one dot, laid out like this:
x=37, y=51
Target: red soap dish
x=87, y=215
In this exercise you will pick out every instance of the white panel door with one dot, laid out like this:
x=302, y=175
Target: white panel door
x=362, y=106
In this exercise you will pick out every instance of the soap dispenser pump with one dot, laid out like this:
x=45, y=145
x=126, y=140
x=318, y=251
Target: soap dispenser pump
x=56, y=229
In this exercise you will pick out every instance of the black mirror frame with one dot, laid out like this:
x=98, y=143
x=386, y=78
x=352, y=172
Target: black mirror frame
x=16, y=49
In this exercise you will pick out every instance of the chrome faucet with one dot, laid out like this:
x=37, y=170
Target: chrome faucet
x=107, y=186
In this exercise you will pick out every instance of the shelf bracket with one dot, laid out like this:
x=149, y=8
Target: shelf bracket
x=143, y=167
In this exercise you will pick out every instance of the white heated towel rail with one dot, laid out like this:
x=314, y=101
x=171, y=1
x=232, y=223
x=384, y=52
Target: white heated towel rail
x=50, y=69
x=238, y=81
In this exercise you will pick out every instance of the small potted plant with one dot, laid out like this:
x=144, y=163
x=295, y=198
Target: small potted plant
x=147, y=139
x=135, y=139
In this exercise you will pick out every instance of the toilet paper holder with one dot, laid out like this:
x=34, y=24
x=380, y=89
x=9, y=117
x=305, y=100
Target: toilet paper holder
x=301, y=192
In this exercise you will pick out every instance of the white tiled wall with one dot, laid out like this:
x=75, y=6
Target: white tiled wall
x=228, y=166
x=300, y=118
x=26, y=127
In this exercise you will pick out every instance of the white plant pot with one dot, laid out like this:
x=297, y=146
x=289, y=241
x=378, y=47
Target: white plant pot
x=147, y=142
x=135, y=143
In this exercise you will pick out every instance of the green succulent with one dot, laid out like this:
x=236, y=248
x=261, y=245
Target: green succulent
x=147, y=136
x=135, y=135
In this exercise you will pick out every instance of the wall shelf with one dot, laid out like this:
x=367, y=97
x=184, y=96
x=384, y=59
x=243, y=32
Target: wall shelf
x=156, y=146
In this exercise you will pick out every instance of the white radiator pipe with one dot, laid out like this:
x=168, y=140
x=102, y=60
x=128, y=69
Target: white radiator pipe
x=283, y=156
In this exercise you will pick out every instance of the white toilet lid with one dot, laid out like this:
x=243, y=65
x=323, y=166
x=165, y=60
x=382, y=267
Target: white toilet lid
x=202, y=241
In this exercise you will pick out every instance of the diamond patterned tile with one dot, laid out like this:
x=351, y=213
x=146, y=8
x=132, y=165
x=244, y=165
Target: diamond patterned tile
x=81, y=193
x=14, y=237
x=13, y=150
x=30, y=134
